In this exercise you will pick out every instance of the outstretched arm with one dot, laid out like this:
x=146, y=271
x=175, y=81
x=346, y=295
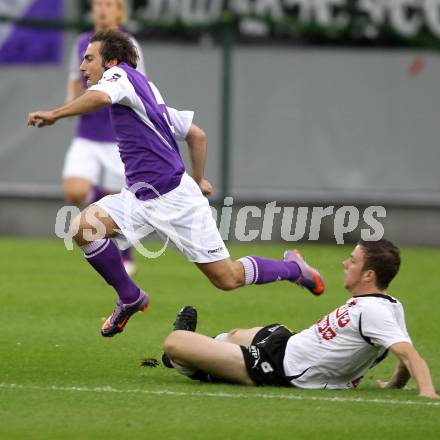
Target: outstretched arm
x=410, y=363
x=399, y=378
x=197, y=141
x=86, y=103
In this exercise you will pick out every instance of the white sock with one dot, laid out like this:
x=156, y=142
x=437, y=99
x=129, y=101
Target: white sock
x=95, y=247
x=221, y=337
x=250, y=270
x=186, y=371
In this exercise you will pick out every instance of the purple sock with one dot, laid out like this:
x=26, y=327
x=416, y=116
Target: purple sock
x=259, y=270
x=96, y=193
x=105, y=258
x=127, y=254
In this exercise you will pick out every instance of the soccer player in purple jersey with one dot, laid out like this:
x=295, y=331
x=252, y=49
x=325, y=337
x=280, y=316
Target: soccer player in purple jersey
x=92, y=167
x=160, y=196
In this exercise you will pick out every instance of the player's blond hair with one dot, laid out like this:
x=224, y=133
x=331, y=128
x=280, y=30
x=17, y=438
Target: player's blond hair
x=122, y=11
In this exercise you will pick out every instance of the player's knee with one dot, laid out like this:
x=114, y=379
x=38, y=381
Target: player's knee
x=75, y=196
x=173, y=344
x=168, y=345
x=76, y=190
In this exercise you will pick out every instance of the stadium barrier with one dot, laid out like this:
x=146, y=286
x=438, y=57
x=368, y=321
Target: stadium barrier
x=346, y=114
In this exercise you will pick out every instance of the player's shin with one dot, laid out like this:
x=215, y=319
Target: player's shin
x=105, y=258
x=260, y=270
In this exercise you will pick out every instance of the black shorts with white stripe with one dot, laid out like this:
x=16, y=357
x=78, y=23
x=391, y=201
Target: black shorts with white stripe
x=264, y=357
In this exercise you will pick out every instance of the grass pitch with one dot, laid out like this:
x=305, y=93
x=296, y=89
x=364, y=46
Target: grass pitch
x=60, y=379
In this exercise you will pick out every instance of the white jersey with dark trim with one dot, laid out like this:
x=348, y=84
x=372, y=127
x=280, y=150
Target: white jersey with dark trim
x=339, y=349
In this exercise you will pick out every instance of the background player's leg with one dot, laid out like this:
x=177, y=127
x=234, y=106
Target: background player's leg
x=194, y=351
x=94, y=226
x=77, y=190
x=229, y=274
x=96, y=193
x=128, y=261
x=81, y=173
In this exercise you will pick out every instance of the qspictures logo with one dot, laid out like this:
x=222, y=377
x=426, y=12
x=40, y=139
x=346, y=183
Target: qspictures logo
x=164, y=215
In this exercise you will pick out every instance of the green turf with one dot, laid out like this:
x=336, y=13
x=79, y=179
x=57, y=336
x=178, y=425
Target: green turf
x=52, y=305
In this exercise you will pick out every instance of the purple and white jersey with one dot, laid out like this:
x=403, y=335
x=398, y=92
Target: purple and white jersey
x=146, y=130
x=94, y=126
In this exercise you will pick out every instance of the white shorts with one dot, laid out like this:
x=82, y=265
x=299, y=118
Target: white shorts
x=181, y=217
x=98, y=162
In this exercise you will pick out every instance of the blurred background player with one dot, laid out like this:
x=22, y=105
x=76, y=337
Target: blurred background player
x=93, y=167
x=333, y=353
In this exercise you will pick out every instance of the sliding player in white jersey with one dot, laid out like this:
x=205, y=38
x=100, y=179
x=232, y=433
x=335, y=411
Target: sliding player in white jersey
x=334, y=353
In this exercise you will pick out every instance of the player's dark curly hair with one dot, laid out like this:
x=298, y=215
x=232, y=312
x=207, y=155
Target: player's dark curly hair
x=383, y=257
x=116, y=45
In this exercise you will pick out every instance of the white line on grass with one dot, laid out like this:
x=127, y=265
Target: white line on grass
x=108, y=389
